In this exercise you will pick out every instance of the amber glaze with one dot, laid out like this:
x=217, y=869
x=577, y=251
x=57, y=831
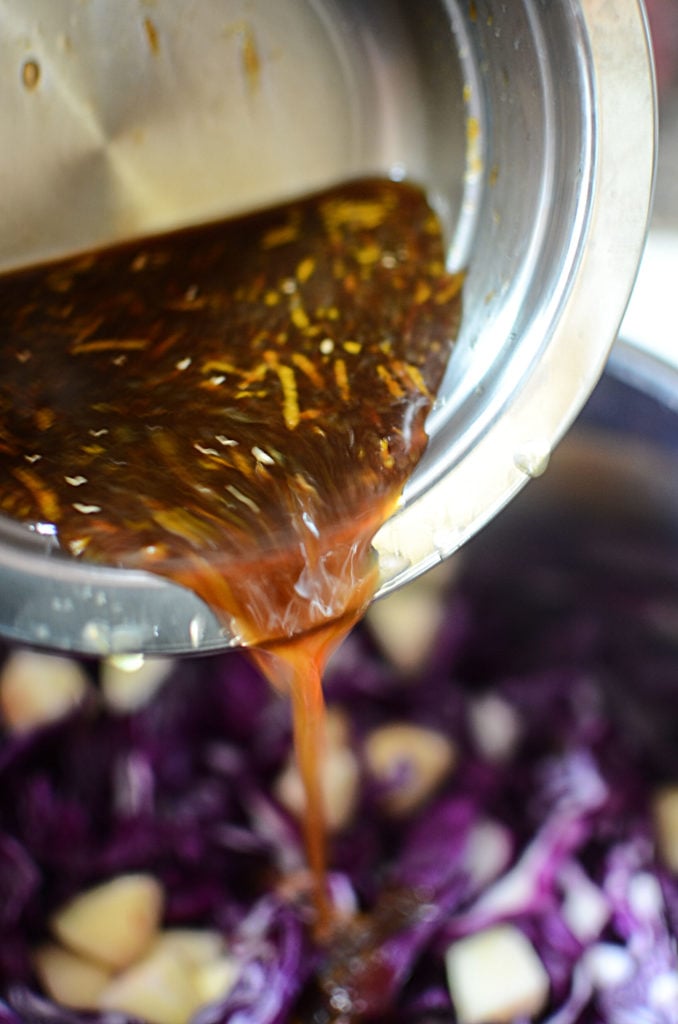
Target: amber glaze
x=236, y=406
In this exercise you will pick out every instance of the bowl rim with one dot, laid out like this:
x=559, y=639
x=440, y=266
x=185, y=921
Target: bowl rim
x=129, y=611
x=517, y=444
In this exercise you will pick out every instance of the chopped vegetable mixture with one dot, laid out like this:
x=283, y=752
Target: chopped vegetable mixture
x=503, y=805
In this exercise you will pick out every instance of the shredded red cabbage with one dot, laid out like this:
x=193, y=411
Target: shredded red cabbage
x=569, y=627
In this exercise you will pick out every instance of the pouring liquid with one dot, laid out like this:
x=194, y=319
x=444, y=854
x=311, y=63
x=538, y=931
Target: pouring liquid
x=237, y=407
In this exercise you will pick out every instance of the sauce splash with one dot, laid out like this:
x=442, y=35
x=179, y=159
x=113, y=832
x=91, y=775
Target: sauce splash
x=237, y=407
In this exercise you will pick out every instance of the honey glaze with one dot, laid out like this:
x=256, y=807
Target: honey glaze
x=236, y=407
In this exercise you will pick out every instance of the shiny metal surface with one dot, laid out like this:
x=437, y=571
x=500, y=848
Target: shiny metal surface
x=531, y=125
x=650, y=321
x=567, y=256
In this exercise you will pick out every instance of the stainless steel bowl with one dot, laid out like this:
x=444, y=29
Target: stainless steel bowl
x=530, y=124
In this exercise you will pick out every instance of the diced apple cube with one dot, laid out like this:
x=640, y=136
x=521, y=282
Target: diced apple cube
x=665, y=810
x=113, y=923
x=68, y=978
x=405, y=625
x=36, y=689
x=412, y=759
x=160, y=989
x=496, y=728
x=495, y=976
x=128, y=683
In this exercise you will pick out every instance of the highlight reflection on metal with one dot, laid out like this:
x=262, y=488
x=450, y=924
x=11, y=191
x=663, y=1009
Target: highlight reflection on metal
x=531, y=125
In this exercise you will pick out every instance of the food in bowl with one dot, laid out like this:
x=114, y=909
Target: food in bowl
x=503, y=806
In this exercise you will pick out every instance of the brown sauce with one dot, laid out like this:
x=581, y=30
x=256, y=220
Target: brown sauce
x=237, y=407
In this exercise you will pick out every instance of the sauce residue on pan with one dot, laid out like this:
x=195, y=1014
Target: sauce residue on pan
x=237, y=407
